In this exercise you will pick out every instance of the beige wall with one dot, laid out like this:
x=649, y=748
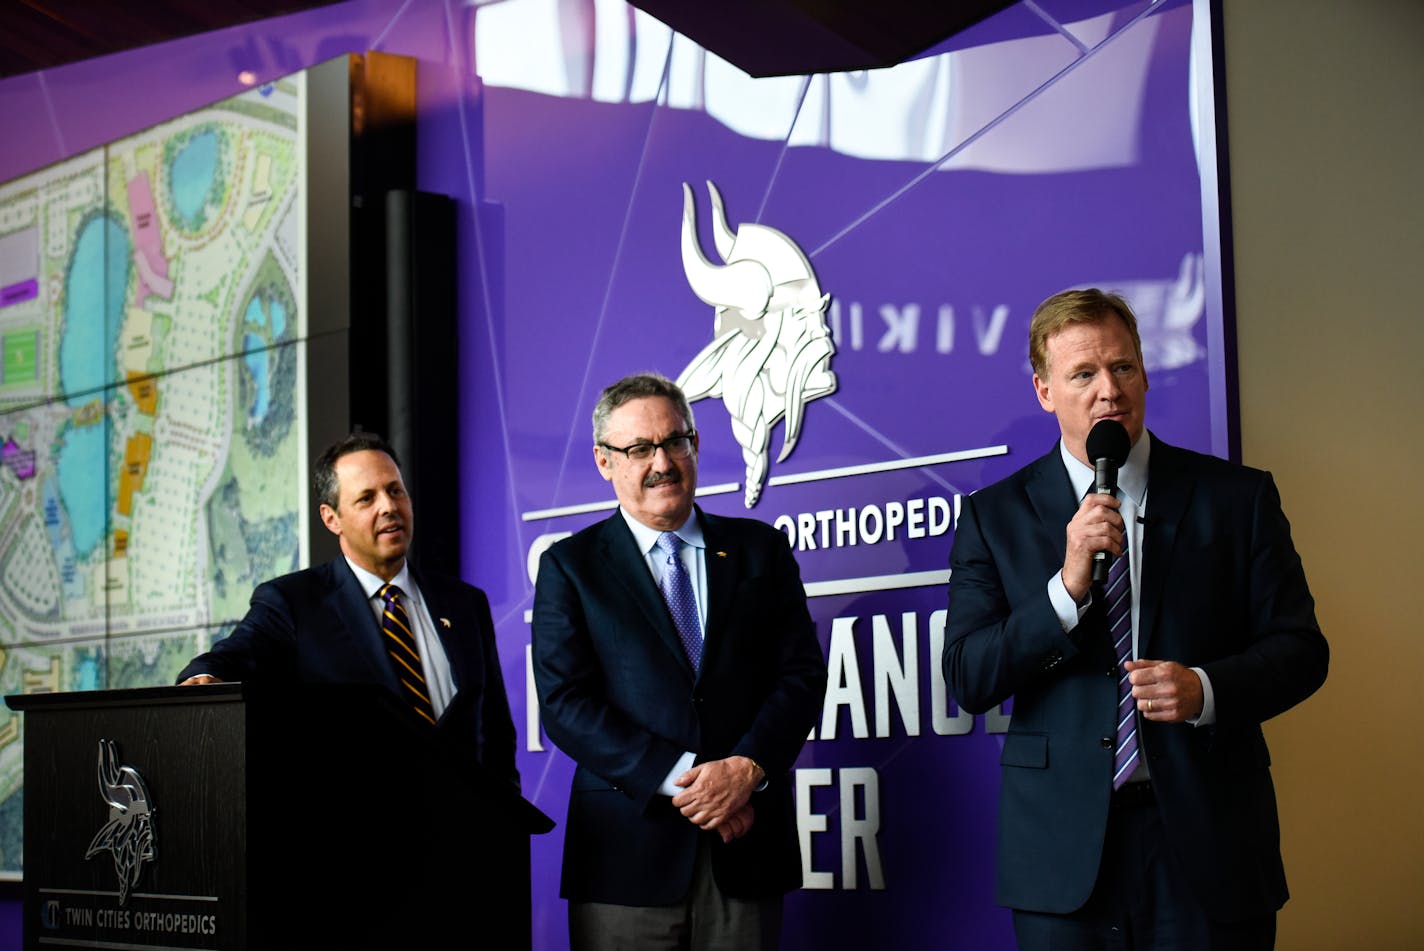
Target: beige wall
x=1325, y=103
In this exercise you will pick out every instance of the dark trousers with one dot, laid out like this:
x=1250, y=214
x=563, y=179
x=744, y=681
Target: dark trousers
x=1142, y=901
x=706, y=920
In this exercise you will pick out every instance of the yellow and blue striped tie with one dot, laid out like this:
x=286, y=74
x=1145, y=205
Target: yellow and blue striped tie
x=404, y=651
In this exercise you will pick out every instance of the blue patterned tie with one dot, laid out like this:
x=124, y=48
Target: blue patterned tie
x=676, y=587
x=1117, y=595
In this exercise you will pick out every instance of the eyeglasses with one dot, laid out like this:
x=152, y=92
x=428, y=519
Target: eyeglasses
x=678, y=447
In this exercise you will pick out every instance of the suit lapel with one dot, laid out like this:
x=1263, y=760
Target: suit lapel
x=723, y=562
x=1169, y=492
x=623, y=563
x=1051, y=493
x=358, y=622
x=1055, y=502
x=444, y=625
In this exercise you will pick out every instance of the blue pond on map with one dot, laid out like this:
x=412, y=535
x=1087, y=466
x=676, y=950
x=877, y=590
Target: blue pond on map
x=255, y=353
x=191, y=176
x=93, y=315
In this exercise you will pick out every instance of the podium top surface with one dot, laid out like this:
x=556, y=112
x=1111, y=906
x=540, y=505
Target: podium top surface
x=78, y=699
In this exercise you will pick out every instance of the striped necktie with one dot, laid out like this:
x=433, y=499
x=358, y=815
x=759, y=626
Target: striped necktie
x=404, y=651
x=1117, y=595
x=676, y=588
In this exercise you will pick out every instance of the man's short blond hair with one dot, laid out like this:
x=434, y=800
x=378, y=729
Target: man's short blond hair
x=1075, y=307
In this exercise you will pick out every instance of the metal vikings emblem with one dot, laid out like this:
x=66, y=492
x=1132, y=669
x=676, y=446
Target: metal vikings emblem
x=129, y=832
x=770, y=353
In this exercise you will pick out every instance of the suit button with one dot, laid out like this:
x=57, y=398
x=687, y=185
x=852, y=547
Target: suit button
x=1112, y=671
x=1107, y=742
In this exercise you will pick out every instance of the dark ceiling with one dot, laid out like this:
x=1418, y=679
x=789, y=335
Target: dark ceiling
x=763, y=37
x=43, y=34
x=801, y=37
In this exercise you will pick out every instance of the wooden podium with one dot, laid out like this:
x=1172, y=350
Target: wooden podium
x=229, y=816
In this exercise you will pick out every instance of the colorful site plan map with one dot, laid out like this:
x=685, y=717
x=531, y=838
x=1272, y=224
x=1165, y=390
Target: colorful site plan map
x=152, y=450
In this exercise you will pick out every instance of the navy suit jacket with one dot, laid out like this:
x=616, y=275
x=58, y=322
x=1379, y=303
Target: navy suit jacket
x=619, y=696
x=1222, y=589
x=316, y=626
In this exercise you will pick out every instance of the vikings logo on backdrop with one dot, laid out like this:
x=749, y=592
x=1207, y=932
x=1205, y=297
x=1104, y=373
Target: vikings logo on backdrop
x=770, y=353
x=129, y=832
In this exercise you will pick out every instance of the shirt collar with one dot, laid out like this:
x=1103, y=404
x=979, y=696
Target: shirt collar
x=1131, y=478
x=647, y=538
x=372, y=583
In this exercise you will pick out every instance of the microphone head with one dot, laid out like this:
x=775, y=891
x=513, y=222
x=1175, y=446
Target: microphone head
x=1108, y=440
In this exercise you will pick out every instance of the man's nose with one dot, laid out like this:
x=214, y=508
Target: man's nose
x=1108, y=387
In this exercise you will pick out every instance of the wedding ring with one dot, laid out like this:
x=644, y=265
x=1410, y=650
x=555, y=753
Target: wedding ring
x=1149, y=706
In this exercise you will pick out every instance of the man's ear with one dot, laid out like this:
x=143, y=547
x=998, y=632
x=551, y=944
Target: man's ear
x=330, y=519
x=1040, y=389
x=604, y=463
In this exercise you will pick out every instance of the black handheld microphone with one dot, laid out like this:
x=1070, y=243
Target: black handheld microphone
x=1108, y=446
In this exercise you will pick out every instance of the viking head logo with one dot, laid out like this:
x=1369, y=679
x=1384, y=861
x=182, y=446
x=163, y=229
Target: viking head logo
x=770, y=353
x=129, y=832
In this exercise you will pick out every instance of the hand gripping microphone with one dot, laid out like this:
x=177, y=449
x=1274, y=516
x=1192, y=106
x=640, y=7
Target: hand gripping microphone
x=1108, y=446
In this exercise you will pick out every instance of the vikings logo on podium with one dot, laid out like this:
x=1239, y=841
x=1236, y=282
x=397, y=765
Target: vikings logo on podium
x=129, y=832
x=771, y=351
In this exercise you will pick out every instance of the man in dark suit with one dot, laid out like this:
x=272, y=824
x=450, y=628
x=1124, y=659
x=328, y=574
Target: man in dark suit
x=677, y=664
x=1136, y=808
x=367, y=617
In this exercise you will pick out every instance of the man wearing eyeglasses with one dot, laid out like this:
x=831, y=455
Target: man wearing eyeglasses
x=677, y=665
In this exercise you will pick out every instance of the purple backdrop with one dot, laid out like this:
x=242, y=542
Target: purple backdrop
x=938, y=202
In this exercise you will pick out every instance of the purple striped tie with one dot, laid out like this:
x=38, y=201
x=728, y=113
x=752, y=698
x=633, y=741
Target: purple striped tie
x=676, y=587
x=1117, y=595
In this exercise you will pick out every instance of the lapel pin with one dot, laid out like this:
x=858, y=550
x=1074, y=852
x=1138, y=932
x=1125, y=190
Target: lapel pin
x=721, y=554
x=445, y=623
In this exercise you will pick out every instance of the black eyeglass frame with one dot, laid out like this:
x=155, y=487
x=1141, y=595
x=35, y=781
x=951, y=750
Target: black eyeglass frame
x=653, y=447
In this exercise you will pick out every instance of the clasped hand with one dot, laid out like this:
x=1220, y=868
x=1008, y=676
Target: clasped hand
x=716, y=795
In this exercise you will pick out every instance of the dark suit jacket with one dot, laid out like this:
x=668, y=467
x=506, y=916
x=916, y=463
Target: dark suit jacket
x=620, y=698
x=316, y=626
x=1222, y=589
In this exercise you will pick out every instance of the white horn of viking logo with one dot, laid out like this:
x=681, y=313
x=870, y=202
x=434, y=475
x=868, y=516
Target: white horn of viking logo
x=741, y=285
x=771, y=350
x=722, y=234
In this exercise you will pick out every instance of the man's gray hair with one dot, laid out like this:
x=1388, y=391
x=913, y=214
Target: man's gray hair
x=635, y=387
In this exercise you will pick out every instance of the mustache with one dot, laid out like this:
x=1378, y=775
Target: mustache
x=661, y=478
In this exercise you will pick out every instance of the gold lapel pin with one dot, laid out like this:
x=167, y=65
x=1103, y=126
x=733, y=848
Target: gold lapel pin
x=721, y=554
x=445, y=623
